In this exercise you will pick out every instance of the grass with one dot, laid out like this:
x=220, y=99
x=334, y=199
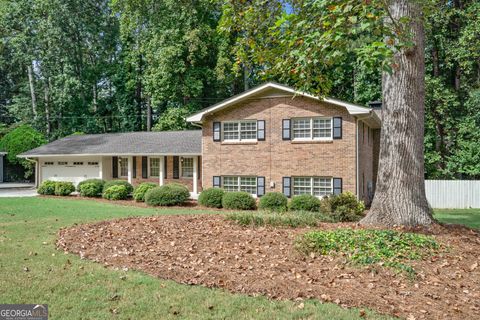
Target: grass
x=33, y=271
x=285, y=219
x=468, y=217
x=389, y=248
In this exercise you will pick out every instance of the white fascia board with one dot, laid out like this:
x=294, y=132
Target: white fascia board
x=352, y=108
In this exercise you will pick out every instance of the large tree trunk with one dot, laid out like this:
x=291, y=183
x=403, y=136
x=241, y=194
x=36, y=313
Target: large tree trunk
x=47, y=107
x=32, y=91
x=149, y=115
x=400, y=193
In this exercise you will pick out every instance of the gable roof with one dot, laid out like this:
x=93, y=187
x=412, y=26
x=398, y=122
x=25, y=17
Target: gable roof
x=353, y=109
x=188, y=142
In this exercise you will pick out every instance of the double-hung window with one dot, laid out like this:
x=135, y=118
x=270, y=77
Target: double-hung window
x=187, y=167
x=312, y=129
x=123, y=167
x=245, y=130
x=154, y=167
x=316, y=186
x=238, y=183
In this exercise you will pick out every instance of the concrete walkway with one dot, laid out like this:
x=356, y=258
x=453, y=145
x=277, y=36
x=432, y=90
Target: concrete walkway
x=17, y=190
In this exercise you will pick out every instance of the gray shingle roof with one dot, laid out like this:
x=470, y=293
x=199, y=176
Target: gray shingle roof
x=128, y=143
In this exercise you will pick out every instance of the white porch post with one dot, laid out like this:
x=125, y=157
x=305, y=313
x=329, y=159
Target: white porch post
x=162, y=174
x=195, y=175
x=100, y=168
x=130, y=169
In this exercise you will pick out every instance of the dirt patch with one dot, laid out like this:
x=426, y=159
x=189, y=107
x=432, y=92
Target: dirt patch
x=213, y=252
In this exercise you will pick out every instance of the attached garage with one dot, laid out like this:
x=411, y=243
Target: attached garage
x=70, y=169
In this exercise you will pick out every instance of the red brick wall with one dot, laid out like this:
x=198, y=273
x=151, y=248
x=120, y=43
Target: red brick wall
x=275, y=158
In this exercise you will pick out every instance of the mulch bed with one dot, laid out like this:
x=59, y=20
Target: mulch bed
x=211, y=251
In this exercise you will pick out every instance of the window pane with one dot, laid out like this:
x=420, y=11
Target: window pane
x=248, y=130
x=230, y=131
x=154, y=167
x=248, y=184
x=230, y=183
x=302, y=185
x=123, y=165
x=187, y=167
x=301, y=128
x=322, y=187
x=322, y=128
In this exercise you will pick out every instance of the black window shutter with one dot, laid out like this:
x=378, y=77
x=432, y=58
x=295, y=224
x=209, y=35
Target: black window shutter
x=287, y=186
x=134, y=165
x=114, y=167
x=216, y=181
x=286, y=129
x=261, y=130
x=337, y=128
x=216, y=131
x=144, y=167
x=176, y=167
x=165, y=167
x=337, y=185
x=260, y=186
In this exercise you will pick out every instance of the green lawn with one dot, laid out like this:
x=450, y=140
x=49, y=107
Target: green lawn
x=32, y=271
x=468, y=217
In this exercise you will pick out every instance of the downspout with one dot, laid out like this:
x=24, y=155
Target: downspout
x=36, y=169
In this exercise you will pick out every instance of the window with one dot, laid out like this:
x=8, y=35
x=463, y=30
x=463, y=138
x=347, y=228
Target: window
x=187, y=167
x=240, y=130
x=154, y=167
x=246, y=184
x=93, y=163
x=78, y=163
x=312, y=129
x=62, y=163
x=123, y=167
x=48, y=163
x=317, y=186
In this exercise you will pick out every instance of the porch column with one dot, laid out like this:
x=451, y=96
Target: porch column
x=195, y=175
x=130, y=169
x=162, y=168
x=100, y=168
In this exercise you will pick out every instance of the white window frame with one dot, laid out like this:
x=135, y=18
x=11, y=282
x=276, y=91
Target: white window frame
x=120, y=167
x=62, y=163
x=182, y=160
x=239, y=186
x=312, y=186
x=48, y=163
x=239, y=130
x=78, y=163
x=93, y=163
x=311, y=137
x=150, y=166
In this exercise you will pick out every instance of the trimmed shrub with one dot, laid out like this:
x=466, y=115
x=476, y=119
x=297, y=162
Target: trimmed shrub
x=98, y=182
x=124, y=183
x=64, y=188
x=238, y=201
x=91, y=189
x=274, y=201
x=141, y=190
x=168, y=195
x=47, y=188
x=305, y=202
x=116, y=192
x=211, y=197
x=343, y=207
x=292, y=219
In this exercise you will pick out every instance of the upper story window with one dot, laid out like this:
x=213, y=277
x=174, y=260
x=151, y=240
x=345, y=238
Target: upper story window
x=187, y=167
x=316, y=186
x=154, y=167
x=312, y=129
x=245, y=130
x=123, y=167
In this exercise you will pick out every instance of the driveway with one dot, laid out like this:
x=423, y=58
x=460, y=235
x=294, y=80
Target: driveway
x=17, y=190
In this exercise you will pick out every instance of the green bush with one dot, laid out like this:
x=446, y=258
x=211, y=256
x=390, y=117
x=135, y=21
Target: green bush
x=124, y=183
x=292, y=219
x=211, y=197
x=238, y=201
x=305, y=202
x=99, y=182
x=385, y=247
x=141, y=190
x=274, y=201
x=64, y=188
x=116, y=192
x=91, y=189
x=47, y=188
x=343, y=207
x=167, y=195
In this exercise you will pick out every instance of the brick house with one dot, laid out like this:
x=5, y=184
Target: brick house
x=270, y=138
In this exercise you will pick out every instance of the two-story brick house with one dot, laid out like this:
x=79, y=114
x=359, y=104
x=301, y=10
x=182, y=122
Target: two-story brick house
x=270, y=138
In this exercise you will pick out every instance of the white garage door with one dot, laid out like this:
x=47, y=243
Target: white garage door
x=72, y=171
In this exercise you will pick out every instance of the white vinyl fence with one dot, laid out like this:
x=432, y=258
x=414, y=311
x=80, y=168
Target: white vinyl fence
x=458, y=194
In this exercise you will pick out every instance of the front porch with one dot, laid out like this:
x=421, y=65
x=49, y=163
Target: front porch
x=161, y=169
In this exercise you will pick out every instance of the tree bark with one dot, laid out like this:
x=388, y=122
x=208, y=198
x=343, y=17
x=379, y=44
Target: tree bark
x=400, y=192
x=149, y=115
x=32, y=91
x=47, y=107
